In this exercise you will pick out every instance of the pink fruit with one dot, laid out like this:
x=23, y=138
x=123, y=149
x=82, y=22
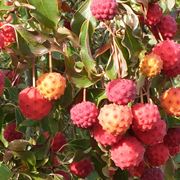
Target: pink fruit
x=154, y=14
x=127, y=153
x=173, y=137
x=104, y=10
x=157, y=155
x=84, y=114
x=33, y=105
x=10, y=132
x=1, y=41
x=154, y=135
x=103, y=137
x=1, y=83
x=145, y=116
x=167, y=27
x=58, y=142
x=81, y=168
x=137, y=170
x=121, y=91
x=153, y=174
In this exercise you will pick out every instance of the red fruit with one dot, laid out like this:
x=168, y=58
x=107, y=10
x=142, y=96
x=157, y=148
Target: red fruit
x=127, y=153
x=115, y=119
x=10, y=132
x=145, y=116
x=169, y=52
x=1, y=41
x=103, y=137
x=104, y=10
x=154, y=14
x=81, y=168
x=1, y=83
x=33, y=105
x=153, y=136
x=12, y=76
x=84, y=114
x=121, y=91
x=167, y=27
x=173, y=137
x=8, y=34
x=174, y=150
x=138, y=170
x=58, y=142
x=157, y=155
x=153, y=174
x=55, y=161
x=65, y=175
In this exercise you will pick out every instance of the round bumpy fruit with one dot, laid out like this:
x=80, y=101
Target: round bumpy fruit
x=115, y=119
x=10, y=132
x=170, y=101
x=151, y=65
x=145, y=116
x=154, y=14
x=154, y=135
x=169, y=52
x=167, y=27
x=1, y=83
x=81, y=168
x=174, y=150
x=58, y=142
x=103, y=137
x=33, y=105
x=104, y=10
x=173, y=137
x=84, y=114
x=157, y=155
x=152, y=174
x=127, y=153
x=1, y=41
x=121, y=91
x=137, y=170
x=51, y=85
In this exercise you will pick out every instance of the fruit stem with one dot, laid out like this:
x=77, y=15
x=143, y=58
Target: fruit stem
x=160, y=35
x=50, y=61
x=33, y=73
x=84, y=94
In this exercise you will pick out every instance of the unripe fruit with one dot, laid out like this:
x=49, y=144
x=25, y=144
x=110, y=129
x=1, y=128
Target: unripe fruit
x=151, y=65
x=51, y=85
x=137, y=170
x=173, y=137
x=127, y=153
x=157, y=155
x=115, y=119
x=167, y=27
x=84, y=114
x=169, y=52
x=103, y=137
x=145, y=116
x=154, y=135
x=121, y=91
x=154, y=14
x=170, y=101
x=33, y=105
x=58, y=142
x=10, y=132
x=1, y=83
x=81, y=168
x=153, y=174
x=104, y=10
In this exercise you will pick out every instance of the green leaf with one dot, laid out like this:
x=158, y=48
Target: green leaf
x=46, y=12
x=80, y=144
x=169, y=170
x=5, y=172
x=82, y=14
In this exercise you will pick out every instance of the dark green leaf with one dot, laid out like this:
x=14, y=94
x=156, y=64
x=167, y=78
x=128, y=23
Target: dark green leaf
x=5, y=172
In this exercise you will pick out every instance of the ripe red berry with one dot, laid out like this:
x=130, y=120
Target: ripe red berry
x=157, y=155
x=167, y=27
x=137, y=170
x=1, y=41
x=84, y=114
x=64, y=174
x=152, y=174
x=58, y=142
x=154, y=14
x=174, y=150
x=10, y=132
x=81, y=168
x=127, y=153
x=121, y=91
x=104, y=10
x=145, y=116
x=33, y=105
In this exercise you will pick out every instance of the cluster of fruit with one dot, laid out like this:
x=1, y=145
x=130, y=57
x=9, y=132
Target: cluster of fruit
x=137, y=136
